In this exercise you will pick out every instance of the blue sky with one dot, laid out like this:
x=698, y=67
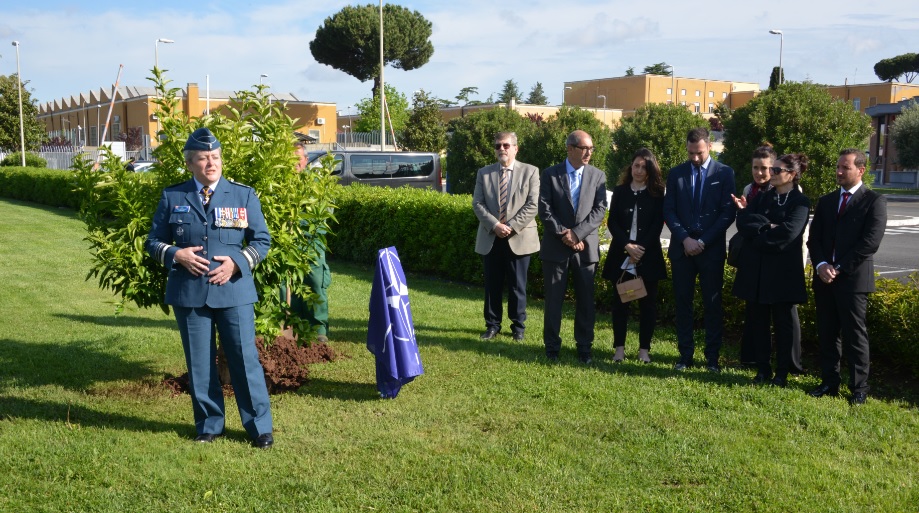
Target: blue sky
x=69, y=47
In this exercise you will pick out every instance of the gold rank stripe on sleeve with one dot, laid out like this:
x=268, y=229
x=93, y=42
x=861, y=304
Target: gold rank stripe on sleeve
x=159, y=252
x=252, y=256
x=230, y=217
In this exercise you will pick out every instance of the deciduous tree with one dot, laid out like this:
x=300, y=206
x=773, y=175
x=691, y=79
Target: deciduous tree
x=471, y=145
x=796, y=118
x=661, y=128
x=9, y=116
x=350, y=41
x=369, y=110
x=425, y=130
x=905, y=134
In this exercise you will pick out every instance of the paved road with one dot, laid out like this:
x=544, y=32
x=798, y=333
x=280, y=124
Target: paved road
x=899, y=253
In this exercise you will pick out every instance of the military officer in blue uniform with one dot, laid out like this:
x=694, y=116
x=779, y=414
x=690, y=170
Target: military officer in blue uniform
x=210, y=234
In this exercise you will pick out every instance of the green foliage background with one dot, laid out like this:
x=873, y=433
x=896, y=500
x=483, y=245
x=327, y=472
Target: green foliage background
x=796, y=118
x=33, y=129
x=369, y=111
x=425, y=129
x=15, y=159
x=905, y=133
x=659, y=127
x=257, y=148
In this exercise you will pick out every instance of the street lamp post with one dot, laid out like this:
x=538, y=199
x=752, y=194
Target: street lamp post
x=672, y=85
x=781, y=47
x=156, y=50
x=604, y=106
x=22, y=131
x=260, y=77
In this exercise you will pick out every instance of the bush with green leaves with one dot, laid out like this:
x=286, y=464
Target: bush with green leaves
x=905, y=134
x=15, y=159
x=257, y=150
x=471, y=145
x=796, y=118
x=425, y=129
x=544, y=143
x=41, y=185
x=661, y=128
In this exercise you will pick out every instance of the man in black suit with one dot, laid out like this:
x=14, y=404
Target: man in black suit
x=698, y=211
x=845, y=234
x=572, y=204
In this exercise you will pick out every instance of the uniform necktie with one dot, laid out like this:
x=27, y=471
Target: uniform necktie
x=502, y=196
x=206, y=195
x=842, y=205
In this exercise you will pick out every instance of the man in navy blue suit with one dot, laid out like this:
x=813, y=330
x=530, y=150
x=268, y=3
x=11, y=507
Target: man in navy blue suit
x=698, y=211
x=210, y=234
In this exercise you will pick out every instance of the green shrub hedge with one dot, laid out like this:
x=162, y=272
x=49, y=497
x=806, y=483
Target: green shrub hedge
x=40, y=185
x=15, y=159
x=435, y=234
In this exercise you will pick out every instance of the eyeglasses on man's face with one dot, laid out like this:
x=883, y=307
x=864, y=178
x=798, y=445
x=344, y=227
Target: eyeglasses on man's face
x=506, y=146
x=586, y=149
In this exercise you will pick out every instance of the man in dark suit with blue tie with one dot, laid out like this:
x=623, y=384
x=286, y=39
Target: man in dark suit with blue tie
x=845, y=234
x=572, y=204
x=698, y=211
x=210, y=234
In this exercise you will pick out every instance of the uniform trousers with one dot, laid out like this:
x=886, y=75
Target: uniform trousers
x=236, y=326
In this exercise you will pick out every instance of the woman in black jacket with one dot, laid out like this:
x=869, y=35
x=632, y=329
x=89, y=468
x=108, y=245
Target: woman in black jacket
x=636, y=218
x=770, y=272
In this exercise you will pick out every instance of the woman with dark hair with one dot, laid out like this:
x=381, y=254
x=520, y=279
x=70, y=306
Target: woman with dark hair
x=770, y=272
x=636, y=219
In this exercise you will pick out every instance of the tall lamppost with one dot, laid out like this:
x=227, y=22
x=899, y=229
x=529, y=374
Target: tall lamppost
x=156, y=50
x=22, y=131
x=604, y=106
x=260, y=77
x=781, y=45
x=672, y=84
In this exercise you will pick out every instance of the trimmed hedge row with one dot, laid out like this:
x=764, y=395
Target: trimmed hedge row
x=40, y=185
x=435, y=234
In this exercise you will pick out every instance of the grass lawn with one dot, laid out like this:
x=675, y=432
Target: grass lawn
x=490, y=427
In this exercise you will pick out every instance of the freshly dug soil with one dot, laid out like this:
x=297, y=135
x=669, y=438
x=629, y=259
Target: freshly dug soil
x=286, y=366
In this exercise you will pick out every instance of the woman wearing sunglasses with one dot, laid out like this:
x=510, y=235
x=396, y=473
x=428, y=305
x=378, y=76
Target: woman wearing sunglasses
x=770, y=272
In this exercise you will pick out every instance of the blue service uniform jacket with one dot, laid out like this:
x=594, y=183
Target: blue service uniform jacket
x=181, y=221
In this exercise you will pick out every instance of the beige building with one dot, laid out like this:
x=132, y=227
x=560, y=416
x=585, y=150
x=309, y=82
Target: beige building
x=882, y=152
x=81, y=118
x=863, y=96
x=628, y=93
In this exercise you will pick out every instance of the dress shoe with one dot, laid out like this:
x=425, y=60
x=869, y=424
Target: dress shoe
x=264, y=441
x=681, y=366
x=858, y=398
x=620, y=354
x=552, y=357
x=643, y=356
x=586, y=359
x=714, y=368
x=518, y=336
x=760, y=379
x=489, y=334
x=322, y=339
x=779, y=381
x=207, y=438
x=823, y=390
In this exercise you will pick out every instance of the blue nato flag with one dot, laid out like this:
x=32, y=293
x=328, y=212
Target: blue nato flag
x=390, y=331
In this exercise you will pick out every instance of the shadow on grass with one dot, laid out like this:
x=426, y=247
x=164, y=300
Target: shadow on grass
x=70, y=365
x=127, y=321
x=61, y=210
x=341, y=390
x=77, y=414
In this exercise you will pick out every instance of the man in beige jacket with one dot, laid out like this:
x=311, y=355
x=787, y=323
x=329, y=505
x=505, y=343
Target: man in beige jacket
x=505, y=202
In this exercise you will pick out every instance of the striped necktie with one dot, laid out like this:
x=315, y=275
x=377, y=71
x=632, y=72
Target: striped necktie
x=502, y=195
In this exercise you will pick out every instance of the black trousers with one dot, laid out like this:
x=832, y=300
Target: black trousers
x=647, y=315
x=505, y=269
x=556, y=277
x=759, y=318
x=841, y=330
x=748, y=342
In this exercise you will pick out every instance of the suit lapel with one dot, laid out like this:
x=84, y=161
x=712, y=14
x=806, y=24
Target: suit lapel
x=194, y=199
x=854, y=202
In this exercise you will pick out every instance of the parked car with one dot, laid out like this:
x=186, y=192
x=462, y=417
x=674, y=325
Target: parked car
x=385, y=168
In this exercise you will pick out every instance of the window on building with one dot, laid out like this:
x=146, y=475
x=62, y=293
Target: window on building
x=711, y=108
x=857, y=104
x=698, y=92
x=94, y=136
x=724, y=96
x=711, y=94
x=116, y=129
x=682, y=92
x=315, y=134
x=669, y=102
x=683, y=103
x=872, y=101
x=695, y=107
x=669, y=91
